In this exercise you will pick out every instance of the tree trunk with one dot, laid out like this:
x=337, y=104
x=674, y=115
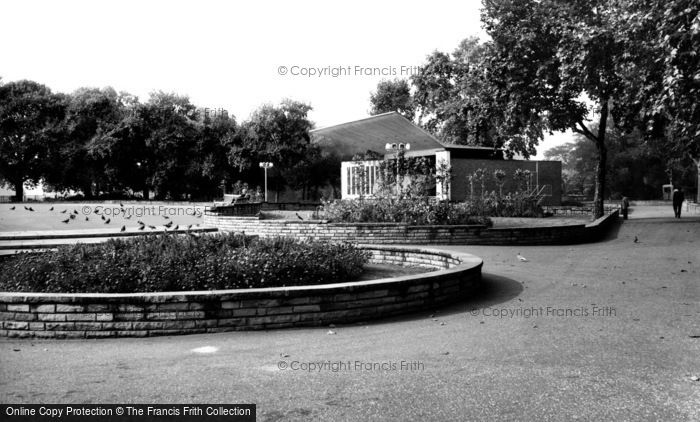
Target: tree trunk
x=600, y=173
x=19, y=190
x=697, y=167
x=146, y=193
x=598, y=199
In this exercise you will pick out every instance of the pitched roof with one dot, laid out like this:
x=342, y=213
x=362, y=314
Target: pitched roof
x=372, y=133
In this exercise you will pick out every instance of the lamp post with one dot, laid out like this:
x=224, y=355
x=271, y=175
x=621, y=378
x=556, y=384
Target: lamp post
x=397, y=148
x=266, y=165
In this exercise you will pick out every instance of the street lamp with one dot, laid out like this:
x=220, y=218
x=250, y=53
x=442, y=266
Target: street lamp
x=266, y=165
x=397, y=148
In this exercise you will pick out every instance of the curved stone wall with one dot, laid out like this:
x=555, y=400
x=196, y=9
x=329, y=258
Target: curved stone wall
x=169, y=313
x=398, y=233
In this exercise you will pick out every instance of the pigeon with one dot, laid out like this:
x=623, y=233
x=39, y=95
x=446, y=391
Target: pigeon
x=152, y=227
x=121, y=205
x=63, y=212
x=168, y=225
x=108, y=220
x=12, y=208
x=123, y=229
x=96, y=211
x=75, y=211
x=103, y=217
x=189, y=226
x=176, y=227
x=25, y=207
x=298, y=216
x=636, y=240
x=31, y=209
x=72, y=217
x=141, y=222
x=65, y=221
x=521, y=258
x=87, y=219
x=51, y=209
x=142, y=227
x=128, y=217
x=166, y=217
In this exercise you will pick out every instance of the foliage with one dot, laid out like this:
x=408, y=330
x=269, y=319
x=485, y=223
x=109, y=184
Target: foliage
x=394, y=95
x=411, y=211
x=181, y=263
x=104, y=143
x=29, y=115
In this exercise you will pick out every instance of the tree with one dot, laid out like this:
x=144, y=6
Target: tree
x=80, y=164
x=279, y=134
x=393, y=96
x=663, y=37
x=551, y=59
x=29, y=115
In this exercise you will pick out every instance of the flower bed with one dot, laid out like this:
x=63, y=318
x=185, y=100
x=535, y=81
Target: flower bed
x=410, y=211
x=181, y=263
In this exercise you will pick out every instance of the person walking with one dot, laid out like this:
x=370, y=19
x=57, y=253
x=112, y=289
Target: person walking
x=678, y=199
x=625, y=207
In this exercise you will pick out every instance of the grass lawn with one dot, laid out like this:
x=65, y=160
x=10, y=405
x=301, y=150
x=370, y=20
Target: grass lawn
x=43, y=218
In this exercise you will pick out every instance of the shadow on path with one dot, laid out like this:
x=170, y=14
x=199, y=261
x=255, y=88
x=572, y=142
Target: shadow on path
x=495, y=289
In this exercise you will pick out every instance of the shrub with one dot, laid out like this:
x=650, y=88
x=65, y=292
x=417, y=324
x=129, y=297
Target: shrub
x=413, y=211
x=177, y=263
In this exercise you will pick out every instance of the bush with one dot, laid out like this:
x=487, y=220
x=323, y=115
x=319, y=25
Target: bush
x=181, y=263
x=414, y=211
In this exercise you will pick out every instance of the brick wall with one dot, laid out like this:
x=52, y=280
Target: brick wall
x=549, y=174
x=396, y=233
x=152, y=314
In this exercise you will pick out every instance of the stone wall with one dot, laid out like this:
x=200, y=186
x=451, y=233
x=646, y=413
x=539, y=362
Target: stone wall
x=397, y=233
x=152, y=314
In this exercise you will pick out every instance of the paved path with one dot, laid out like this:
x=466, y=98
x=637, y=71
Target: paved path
x=633, y=364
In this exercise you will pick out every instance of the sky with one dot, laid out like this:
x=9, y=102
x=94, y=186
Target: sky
x=234, y=55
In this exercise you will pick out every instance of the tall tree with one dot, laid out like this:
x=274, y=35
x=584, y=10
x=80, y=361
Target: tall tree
x=551, y=59
x=663, y=37
x=278, y=134
x=393, y=95
x=29, y=117
x=91, y=113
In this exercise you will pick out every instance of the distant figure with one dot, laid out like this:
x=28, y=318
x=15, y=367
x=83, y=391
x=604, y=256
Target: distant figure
x=625, y=206
x=678, y=199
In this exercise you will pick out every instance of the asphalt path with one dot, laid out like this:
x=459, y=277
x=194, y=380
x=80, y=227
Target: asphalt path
x=604, y=331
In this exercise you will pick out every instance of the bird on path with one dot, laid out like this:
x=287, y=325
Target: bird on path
x=521, y=258
x=636, y=240
x=31, y=209
x=166, y=217
x=72, y=216
x=63, y=212
x=168, y=225
x=189, y=226
x=152, y=227
x=75, y=211
x=12, y=208
x=141, y=222
x=177, y=227
x=298, y=216
x=103, y=217
x=65, y=221
x=123, y=229
x=121, y=205
x=87, y=219
x=142, y=227
x=108, y=220
x=51, y=209
x=26, y=209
